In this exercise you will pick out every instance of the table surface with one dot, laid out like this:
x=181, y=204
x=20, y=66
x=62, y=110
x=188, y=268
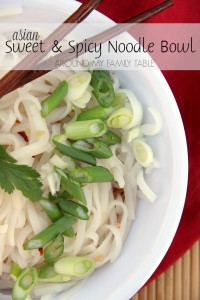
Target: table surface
x=180, y=282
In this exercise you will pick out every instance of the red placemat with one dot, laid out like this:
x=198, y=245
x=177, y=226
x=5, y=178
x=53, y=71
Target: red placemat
x=185, y=86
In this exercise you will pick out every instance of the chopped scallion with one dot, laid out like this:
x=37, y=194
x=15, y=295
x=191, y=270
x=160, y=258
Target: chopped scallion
x=142, y=152
x=75, y=209
x=100, y=112
x=15, y=271
x=74, y=266
x=91, y=174
x=71, y=187
x=24, y=283
x=110, y=138
x=93, y=146
x=85, y=129
x=54, y=99
x=120, y=118
x=53, y=211
x=54, y=249
x=47, y=274
x=49, y=233
x=75, y=153
x=103, y=88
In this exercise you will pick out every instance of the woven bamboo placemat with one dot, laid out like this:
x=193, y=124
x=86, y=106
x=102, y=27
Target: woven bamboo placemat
x=180, y=282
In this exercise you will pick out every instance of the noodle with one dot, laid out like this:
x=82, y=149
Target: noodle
x=111, y=206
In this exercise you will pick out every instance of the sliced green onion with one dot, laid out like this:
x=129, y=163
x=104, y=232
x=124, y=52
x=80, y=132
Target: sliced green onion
x=54, y=249
x=72, y=188
x=51, y=208
x=78, y=84
x=85, y=129
x=133, y=134
x=100, y=112
x=91, y=174
x=74, y=265
x=49, y=233
x=61, y=138
x=47, y=274
x=69, y=232
x=63, y=162
x=75, y=209
x=75, y=153
x=110, y=138
x=54, y=99
x=53, y=211
x=120, y=118
x=24, y=283
x=93, y=146
x=103, y=88
x=142, y=152
x=15, y=271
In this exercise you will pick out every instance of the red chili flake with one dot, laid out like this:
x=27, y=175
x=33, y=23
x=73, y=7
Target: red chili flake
x=41, y=251
x=23, y=134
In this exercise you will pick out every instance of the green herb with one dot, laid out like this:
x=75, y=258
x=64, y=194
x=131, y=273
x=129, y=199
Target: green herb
x=21, y=177
x=74, y=265
x=24, y=284
x=47, y=274
x=100, y=112
x=75, y=209
x=54, y=99
x=93, y=146
x=85, y=129
x=103, y=88
x=75, y=153
x=54, y=249
x=49, y=233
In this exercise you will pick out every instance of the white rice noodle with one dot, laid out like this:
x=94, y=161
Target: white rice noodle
x=136, y=108
x=144, y=187
x=152, y=129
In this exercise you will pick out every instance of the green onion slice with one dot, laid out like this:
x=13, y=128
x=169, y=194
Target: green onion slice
x=100, y=112
x=73, y=188
x=120, y=118
x=74, y=266
x=142, y=152
x=49, y=233
x=75, y=153
x=85, y=129
x=75, y=209
x=15, y=271
x=91, y=174
x=110, y=138
x=54, y=99
x=103, y=88
x=93, y=146
x=47, y=274
x=24, y=283
x=54, y=249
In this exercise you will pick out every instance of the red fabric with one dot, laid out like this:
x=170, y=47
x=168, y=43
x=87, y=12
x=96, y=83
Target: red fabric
x=185, y=86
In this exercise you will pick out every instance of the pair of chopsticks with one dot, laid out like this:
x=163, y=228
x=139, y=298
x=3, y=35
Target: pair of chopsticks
x=16, y=78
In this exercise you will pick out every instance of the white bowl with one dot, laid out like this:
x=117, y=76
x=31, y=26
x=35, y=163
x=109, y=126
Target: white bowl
x=155, y=224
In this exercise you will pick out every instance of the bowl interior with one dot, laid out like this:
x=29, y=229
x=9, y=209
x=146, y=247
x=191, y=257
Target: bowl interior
x=155, y=224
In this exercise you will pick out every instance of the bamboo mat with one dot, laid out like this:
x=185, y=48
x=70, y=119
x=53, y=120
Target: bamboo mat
x=180, y=282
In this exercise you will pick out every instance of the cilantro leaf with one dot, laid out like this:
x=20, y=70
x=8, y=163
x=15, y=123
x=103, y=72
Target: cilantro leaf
x=21, y=177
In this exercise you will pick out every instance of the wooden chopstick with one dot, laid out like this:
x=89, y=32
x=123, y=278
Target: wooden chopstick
x=10, y=81
x=46, y=66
